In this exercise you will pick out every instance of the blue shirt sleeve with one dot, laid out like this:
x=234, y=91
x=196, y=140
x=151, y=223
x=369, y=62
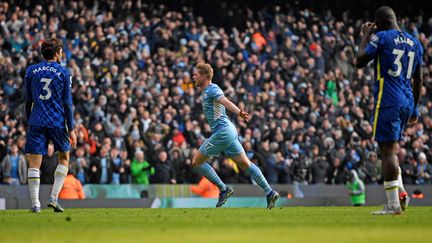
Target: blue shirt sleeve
x=67, y=93
x=216, y=93
x=375, y=44
x=419, y=61
x=67, y=100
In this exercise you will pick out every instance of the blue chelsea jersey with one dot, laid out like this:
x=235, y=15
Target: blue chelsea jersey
x=48, y=87
x=397, y=54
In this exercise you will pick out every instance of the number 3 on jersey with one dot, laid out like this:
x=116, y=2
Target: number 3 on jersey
x=399, y=54
x=47, y=82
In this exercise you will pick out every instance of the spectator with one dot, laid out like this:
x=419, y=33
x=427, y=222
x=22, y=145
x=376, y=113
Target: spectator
x=14, y=167
x=373, y=169
x=164, y=171
x=132, y=86
x=116, y=161
x=101, y=168
x=125, y=168
x=423, y=170
x=192, y=176
x=72, y=188
x=80, y=165
x=254, y=156
x=228, y=170
x=1, y=175
x=301, y=166
x=356, y=189
x=319, y=166
x=141, y=170
x=180, y=166
x=271, y=172
x=337, y=173
x=205, y=189
x=408, y=169
x=48, y=166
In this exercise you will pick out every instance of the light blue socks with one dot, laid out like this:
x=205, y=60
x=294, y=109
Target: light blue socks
x=259, y=178
x=208, y=172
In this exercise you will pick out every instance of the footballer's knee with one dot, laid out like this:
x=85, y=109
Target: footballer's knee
x=198, y=159
x=242, y=161
x=35, y=161
x=63, y=158
x=195, y=162
x=244, y=165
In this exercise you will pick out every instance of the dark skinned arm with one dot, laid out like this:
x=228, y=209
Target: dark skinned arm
x=362, y=58
x=417, y=84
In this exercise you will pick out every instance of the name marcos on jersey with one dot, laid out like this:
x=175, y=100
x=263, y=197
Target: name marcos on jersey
x=46, y=68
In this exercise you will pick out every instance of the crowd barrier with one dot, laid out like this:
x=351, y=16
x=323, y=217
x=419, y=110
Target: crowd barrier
x=180, y=196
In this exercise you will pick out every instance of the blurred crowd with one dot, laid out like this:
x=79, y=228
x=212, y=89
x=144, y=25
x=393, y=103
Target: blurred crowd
x=139, y=118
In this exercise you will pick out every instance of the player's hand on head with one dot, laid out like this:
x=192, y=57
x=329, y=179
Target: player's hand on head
x=367, y=28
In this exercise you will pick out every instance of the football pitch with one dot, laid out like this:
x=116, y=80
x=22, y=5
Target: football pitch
x=289, y=224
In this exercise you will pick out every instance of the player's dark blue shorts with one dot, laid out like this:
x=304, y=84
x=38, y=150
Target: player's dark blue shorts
x=391, y=123
x=38, y=138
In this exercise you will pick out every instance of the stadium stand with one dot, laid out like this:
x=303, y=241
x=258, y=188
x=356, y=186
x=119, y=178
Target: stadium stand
x=290, y=65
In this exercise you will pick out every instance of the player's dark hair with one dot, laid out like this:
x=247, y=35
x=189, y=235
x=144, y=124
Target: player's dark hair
x=50, y=47
x=385, y=18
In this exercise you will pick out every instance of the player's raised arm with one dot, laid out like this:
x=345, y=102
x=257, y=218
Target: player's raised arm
x=363, y=57
x=233, y=108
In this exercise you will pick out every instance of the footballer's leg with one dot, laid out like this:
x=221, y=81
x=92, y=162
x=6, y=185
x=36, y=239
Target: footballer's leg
x=59, y=178
x=391, y=183
x=60, y=139
x=33, y=173
x=403, y=195
x=243, y=161
x=36, y=146
x=199, y=162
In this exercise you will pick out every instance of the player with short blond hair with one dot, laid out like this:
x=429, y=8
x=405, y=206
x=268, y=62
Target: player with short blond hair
x=224, y=137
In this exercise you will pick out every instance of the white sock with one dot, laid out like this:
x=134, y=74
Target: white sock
x=33, y=182
x=59, y=177
x=401, y=186
x=391, y=188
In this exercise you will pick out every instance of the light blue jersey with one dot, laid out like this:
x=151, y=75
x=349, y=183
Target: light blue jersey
x=224, y=137
x=214, y=112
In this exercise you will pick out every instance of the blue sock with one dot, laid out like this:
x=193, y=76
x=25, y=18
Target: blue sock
x=208, y=172
x=259, y=178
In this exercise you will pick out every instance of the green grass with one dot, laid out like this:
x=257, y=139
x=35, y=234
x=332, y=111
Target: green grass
x=295, y=224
